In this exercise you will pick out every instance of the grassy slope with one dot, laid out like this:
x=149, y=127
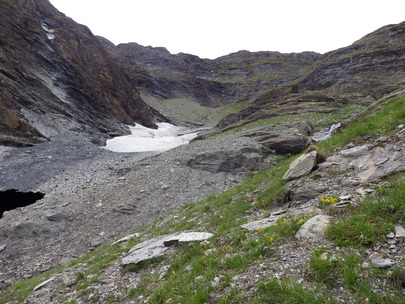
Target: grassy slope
x=233, y=250
x=188, y=112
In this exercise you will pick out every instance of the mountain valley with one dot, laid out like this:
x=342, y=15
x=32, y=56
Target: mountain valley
x=65, y=92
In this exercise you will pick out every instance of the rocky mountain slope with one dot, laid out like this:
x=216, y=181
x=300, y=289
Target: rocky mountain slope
x=360, y=73
x=55, y=69
x=229, y=79
x=267, y=238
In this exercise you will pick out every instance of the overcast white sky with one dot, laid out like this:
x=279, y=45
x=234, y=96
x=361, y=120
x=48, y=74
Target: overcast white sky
x=212, y=28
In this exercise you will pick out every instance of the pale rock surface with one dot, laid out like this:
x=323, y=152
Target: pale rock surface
x=314, y=228
x=380, y=262
x=126, y=238
x=39, y=286
x=260, y=224
x=399, y=231
x=372, y=162
x=301, y=166
x=158, y=246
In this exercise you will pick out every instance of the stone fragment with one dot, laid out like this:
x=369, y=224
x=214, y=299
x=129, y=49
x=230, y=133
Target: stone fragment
x=380, y=262
x=39, y=286
x=301, y=166
x=399, y=231
x=355, y=151
x=96, y=241
x=126, y=238
x=65, y=260
x=260, y=224
x=381, y=160
x=194, y=236
x=2, y=247
x=324, y=256
x=390, y=235
x=314, y=228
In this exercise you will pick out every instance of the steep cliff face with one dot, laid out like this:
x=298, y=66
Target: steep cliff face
x=51, y=66
x=360, y=73
x=233, y=78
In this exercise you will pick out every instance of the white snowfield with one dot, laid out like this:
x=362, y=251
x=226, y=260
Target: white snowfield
x=143, y=139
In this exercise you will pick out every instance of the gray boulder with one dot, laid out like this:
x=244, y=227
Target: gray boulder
x=301, y=166
x=284, y=144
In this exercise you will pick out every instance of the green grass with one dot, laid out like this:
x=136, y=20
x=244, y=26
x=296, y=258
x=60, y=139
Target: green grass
x=373, y=219
x=317, y=119
x=181, y=110
x=224, y=111
x=287, y=292
x=381, y=122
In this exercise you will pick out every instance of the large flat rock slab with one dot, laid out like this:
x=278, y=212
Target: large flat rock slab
x=157, y=247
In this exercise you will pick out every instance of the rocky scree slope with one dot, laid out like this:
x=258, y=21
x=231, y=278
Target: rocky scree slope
x=254, y=233
x=238, y=77
x=358, y=74
x=53, y=69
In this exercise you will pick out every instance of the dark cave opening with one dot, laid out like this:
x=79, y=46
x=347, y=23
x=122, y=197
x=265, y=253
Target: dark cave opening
x=12, y=199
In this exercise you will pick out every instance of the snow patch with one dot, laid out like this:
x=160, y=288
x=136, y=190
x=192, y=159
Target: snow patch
x=49, y=32
x=143, y=139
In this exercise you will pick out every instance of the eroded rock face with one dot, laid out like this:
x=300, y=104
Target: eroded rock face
x=362, y=72
x=54, y=67
x=236, y=77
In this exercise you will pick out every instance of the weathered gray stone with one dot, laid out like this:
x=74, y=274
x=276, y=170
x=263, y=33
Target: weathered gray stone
x=284, y=144
x=39, y=286
x=356, y=151
x=260, y=224
x=380, y=262
x=194, y=236
x=225, y=161
x=308, y=190
x=399, y=231
x=126, y=238
x=314, y=228
x=301, y=166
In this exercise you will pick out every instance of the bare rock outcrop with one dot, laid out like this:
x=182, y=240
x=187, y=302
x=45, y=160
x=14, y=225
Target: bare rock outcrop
x=52, y=67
